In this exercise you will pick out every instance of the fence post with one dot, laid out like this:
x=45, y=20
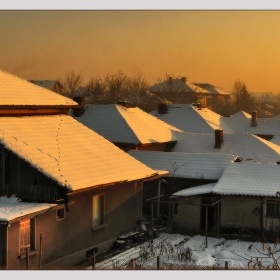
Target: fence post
x=226, y=265
x=93, y=260
x=40, y=252
x=132, y=264
x=27, y=257
x=158, y=262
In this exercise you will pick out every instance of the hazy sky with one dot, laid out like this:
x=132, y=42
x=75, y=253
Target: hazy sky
x=216, y=47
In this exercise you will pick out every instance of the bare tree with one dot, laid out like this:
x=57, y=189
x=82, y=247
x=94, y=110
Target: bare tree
x=71, y=82
x=97, y=90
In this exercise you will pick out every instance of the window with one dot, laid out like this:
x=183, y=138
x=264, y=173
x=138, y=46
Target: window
x=60, y=214
x=272, y=209
x=26, y=234
x=97, y=210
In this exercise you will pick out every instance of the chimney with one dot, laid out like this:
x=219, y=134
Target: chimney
x=184, y=79
x=254, y=119
x=219, y=138
x=80, y=110
x=170, y=79
x=162, y=108
x=123, y=103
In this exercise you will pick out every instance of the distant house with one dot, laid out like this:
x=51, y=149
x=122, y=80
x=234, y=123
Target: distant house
x=246, y=195
x=76, y=188
x=179, y=91
x=53, y=85
x=128, y=128
x=219, y=96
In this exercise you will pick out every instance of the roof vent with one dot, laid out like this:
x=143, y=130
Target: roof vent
x=162, y=108
x=80, y=110
x=219, y=138
x=254, y=119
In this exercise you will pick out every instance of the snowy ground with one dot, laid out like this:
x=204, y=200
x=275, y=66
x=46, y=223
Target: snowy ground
x=172, y=249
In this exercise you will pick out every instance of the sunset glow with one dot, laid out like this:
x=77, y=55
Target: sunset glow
x=214, y=47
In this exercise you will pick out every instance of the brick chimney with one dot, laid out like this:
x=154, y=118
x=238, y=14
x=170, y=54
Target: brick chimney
x=254, y=119
x=124, y=103
x=162, y=108
x=80, y=110
x=184, y=79
x=170, y=80
x=219, y=138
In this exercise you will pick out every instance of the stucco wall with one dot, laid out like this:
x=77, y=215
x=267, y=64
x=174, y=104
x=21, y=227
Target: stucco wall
x=188, y=216
x=233, y=208
x=74, y=233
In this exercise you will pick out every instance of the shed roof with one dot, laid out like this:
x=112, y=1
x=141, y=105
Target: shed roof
x=242, y=114
x=247, y=146
x=12, y=208
x=68, y=152
x=203, y=189
x=186, y=165
x=119, y=124
x=189, y=118
x=249, y=179
x=15, y=91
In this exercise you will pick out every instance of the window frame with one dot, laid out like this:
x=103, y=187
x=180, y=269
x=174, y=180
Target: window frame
x=101, y=208
x=31, y=234
x=273, y=206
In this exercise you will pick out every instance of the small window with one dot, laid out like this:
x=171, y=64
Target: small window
x=60, y=214
x=272, y=209
x=27, y=234
x=98, y=210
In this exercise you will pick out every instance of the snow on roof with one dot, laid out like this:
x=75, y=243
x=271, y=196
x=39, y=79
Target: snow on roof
x=15, y=91
x=12, y=208
x=68, y=152
x=119, y=124
x=249, y=179
x=146, y=98
x=264, y=126
x=185, y=165
x=275, y=140
x=247, y=146
x=177, y=85
x=242, y=114
x=212, y=89
x=264, y=97
x=43, y=83
x=203, y=189
x=189, y=118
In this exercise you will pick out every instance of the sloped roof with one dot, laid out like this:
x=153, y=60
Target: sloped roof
x=249, y=179
x=15, y=91
x=203, y=189
x=119, y=124
x=213, y=89
x=242, y=114
x=264, y=97
x=189, y=118
x=177, y=85
x=246, y=146
x=12, y=208
x=264, y=126
x=43, y=83
x=68, y=152
x=186, y=165
x=275, y=140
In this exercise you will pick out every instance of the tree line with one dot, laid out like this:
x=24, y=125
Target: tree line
x=114, y=87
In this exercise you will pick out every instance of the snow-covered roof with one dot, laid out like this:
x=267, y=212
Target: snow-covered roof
x=189, y=118
x=15, y=91
x=12, y=208
x=68, y=152
x=203, y=189
x=43, y=83
x=249, y=179
x=264, y=126
x=177, y=85
x=185, y=165
x=119, y=124
x=247, y=146
x=275, y=140
x=242, y=114
x=213, y=89
x=264, y=97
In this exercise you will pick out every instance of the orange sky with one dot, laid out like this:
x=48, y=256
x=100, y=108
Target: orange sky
x=217, y=47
